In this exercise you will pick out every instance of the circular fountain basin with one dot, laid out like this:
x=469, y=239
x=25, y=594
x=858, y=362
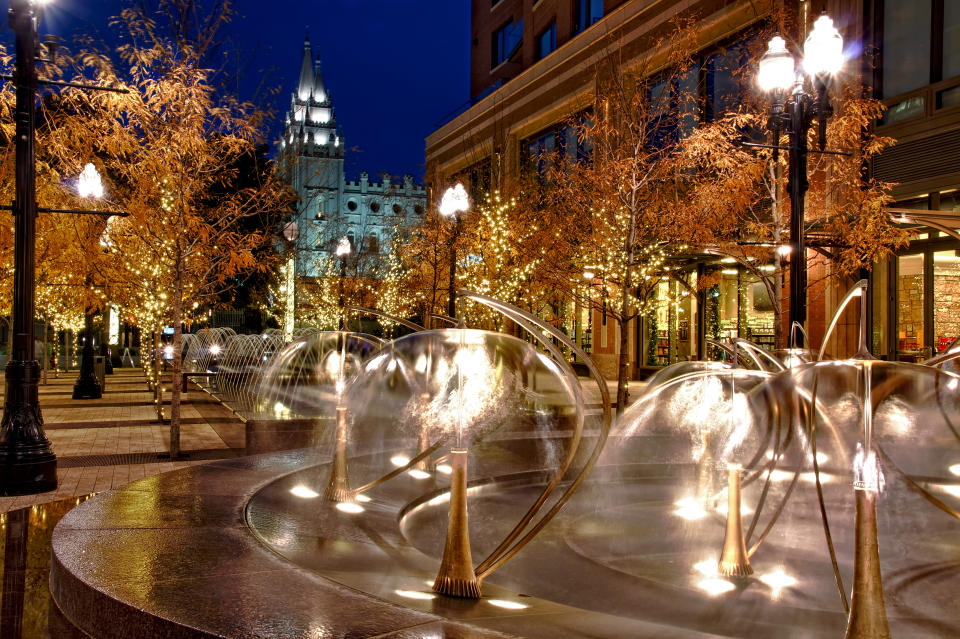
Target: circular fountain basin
x=238, y=549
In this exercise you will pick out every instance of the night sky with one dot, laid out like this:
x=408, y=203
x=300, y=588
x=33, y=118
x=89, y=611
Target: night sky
x=394, y=67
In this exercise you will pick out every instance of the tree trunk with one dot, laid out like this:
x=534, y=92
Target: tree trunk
x=45, y=361
x=176, y=386
x=623, y=367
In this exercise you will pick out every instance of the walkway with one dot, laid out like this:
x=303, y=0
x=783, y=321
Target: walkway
x=107, y=443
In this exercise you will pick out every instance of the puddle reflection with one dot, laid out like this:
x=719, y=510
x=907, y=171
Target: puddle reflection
x=27, y=610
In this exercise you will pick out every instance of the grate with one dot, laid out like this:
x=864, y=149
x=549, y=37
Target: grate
x=126, y=459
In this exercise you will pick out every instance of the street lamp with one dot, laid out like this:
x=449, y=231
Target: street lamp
x=290, y=233
x=455, y=201
x=87, y=386
x=794, y=111
x=343, y=252
x=27, y=462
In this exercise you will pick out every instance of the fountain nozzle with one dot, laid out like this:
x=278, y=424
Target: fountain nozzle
x=338, y=488
x=456, y=577
x=734, y=561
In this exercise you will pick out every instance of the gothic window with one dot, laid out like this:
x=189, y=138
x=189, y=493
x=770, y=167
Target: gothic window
x=352, y=204
x=375, y=206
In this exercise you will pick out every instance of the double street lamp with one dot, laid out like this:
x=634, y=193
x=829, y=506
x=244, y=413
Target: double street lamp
x=454, y=202
x=27, y=462
x=794, y=110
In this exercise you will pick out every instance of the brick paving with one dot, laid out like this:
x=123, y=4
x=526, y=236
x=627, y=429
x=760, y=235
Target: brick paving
x=106, y=443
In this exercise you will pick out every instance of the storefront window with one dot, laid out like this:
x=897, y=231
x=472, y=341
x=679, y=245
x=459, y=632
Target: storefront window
x=910, y=307
x=946, y=299
x=746, y=310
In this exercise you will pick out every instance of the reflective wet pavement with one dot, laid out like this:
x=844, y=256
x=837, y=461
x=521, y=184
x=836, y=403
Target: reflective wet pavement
x=28, y=612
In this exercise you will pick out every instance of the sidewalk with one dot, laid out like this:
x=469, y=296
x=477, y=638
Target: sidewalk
x=108, y=442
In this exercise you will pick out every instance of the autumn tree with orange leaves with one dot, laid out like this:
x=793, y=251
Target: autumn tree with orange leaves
x=735, y=195
x=172, y=147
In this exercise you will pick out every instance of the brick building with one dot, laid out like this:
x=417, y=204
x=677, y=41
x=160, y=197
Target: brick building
x=533, y=67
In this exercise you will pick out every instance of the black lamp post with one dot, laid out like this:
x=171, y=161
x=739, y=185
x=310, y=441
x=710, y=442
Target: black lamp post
x=455, y=201
x=27, y=463
x=794, y=111
x=343, y=251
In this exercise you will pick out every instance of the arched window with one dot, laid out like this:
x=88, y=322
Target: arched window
x=373, y=244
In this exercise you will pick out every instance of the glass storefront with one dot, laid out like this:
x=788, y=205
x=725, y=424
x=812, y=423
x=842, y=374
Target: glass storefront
x=916, y=303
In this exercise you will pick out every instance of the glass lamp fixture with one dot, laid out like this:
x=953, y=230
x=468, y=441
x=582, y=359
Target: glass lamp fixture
x=89, y=183
x=291, y=231
x=343, y=247
x=455, y=200
x=823, y=49
x=776, y=67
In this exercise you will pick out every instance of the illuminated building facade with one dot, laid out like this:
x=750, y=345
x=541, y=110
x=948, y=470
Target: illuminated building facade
x=311, y=154
x=533, y=67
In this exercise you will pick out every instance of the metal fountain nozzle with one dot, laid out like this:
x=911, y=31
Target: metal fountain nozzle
x=456, y=577
x=338, y=488
x=734, y=561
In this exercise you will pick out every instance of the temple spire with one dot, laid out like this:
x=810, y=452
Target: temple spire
x=305, y=88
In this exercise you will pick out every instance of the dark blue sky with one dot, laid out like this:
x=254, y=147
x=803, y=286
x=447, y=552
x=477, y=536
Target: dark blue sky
x=394, y=67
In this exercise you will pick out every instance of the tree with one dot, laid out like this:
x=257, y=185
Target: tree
x=173, y=147
x=847, y=211
x=616, y=207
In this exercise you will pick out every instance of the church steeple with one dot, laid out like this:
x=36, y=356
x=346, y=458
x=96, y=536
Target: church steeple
x=311, y=123
x=305, y=87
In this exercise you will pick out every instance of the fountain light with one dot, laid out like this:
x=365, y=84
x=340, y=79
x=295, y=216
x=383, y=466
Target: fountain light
x=821, y=457
x=506, y=604
x=952, y=384
x=363, y=498
x=690, y=509
x=168, y=351
x=953, y=468
x=399, y=460
x=729, y=271
x=728, y=260
x=215, y=349
x=303, y=492
x=707, y=567
x=446, y=469
x=714, y=586
x=778, y=579
x=349, y=507
x=416, y=594
x=784, y=249
x=416, y=473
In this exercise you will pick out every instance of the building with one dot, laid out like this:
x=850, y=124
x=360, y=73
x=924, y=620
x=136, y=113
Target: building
x=533, y=67
x=311, y=155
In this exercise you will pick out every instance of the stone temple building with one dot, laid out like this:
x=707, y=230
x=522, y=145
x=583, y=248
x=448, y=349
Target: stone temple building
x=311, y=154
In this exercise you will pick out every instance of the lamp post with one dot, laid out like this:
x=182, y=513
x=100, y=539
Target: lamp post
x=290, y=233
x=455, y=201
x=87, y=385
x=794, y=110
x=342, y=252
x=27, y=463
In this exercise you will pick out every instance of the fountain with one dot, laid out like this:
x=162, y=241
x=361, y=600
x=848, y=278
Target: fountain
x=777, y=494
